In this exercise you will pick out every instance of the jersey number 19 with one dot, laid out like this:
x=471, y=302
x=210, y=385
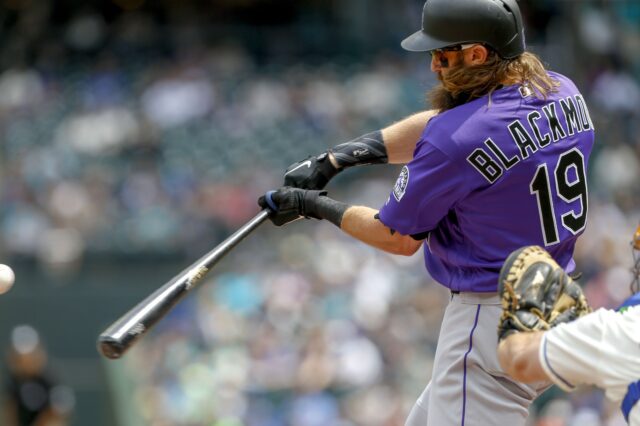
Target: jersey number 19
x=568, y=189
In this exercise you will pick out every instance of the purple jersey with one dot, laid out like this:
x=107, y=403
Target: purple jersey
x=493, y=175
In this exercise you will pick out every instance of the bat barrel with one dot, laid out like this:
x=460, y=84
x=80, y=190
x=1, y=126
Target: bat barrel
x=123, y=333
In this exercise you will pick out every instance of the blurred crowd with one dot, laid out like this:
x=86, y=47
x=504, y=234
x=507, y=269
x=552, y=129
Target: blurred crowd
x=128, y=159
x=128, y=137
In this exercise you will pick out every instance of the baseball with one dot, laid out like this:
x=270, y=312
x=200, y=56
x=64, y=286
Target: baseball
x=7, y=277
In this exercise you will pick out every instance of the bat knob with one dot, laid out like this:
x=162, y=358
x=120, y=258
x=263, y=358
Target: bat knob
x=268, y=197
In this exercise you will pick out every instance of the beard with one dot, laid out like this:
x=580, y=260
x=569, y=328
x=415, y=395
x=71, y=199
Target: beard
x=443, y=100
x=455, y=88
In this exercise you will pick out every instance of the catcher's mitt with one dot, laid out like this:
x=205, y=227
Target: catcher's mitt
x=536, y=293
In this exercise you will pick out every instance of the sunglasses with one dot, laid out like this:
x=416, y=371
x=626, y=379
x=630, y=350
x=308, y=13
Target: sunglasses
x=456, y=48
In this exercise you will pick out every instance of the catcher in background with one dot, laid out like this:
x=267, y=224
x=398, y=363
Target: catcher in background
x=540, y=341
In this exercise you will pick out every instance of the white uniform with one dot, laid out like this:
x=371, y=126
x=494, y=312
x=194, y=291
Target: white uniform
x=600, y=349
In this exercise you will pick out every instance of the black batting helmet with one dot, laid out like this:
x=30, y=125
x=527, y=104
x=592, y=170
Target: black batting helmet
x=496, y=23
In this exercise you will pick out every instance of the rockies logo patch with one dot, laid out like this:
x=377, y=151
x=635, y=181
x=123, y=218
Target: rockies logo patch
x=401, y=184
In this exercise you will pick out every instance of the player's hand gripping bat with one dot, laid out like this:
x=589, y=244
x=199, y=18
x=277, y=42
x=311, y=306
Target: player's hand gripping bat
x=126, y=331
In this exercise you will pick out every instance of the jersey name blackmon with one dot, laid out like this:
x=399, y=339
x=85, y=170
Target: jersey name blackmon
x=564, y=118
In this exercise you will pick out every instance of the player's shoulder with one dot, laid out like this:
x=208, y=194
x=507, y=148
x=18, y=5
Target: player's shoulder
x=446, y=123
x=557, y=76
x=566, y=84
x=433, y=147
x=454, y=129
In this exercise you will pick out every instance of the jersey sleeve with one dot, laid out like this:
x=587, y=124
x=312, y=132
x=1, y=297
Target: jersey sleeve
x=426, y=189
x=599, y=349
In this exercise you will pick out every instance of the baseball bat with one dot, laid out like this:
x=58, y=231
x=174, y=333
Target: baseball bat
x=127, y=330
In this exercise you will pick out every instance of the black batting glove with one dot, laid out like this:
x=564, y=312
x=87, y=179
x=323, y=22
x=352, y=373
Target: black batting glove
x=316, y=172
x=311, y=173
x=288, y=204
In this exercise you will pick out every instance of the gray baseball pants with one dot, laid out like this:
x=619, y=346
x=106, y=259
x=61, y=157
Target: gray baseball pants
x=468, y=387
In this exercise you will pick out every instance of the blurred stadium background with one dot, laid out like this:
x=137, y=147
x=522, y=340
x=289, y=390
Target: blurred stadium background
x=136, y=134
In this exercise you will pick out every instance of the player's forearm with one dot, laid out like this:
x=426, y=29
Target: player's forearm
x=394, y=144
x=518, y=357
x=360, y=223
x=288, y=204
x=400, y=138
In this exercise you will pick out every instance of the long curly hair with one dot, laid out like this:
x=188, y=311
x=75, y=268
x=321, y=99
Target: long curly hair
x=465, y=83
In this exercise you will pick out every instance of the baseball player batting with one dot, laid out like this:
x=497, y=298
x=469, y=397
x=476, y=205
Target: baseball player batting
x=500, y=162
x=600, y=349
